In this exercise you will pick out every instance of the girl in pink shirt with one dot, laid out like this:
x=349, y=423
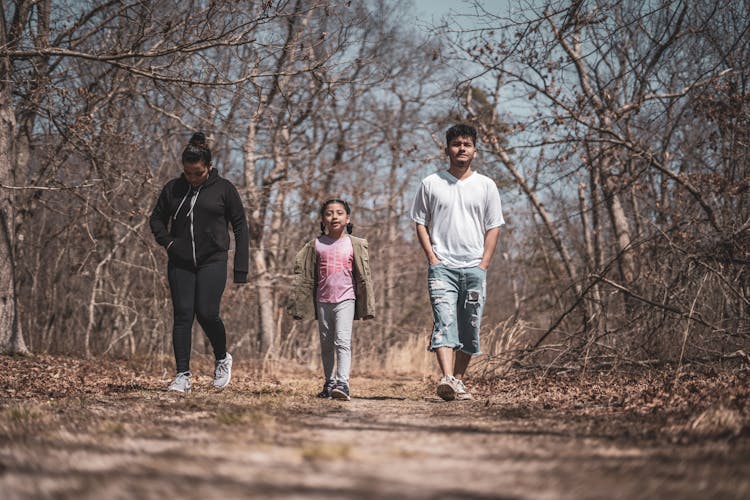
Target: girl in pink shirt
x=333, y=284
x=335, y=296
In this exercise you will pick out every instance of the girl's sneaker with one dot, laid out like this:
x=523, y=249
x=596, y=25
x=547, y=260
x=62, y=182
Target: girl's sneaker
x=181, y=383
x=341, y=391
x=327, y=388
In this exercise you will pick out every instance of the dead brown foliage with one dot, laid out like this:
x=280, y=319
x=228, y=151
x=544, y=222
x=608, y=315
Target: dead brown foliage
x=650, y=404
x=73, y=428
x=659, y=404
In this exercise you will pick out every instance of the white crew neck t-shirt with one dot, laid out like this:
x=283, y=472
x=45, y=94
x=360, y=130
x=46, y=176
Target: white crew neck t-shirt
x=457, y=214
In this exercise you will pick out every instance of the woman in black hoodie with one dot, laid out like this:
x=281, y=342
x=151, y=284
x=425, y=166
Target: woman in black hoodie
x=191, y=220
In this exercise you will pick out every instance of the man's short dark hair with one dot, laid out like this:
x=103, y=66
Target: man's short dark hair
x=461, y=130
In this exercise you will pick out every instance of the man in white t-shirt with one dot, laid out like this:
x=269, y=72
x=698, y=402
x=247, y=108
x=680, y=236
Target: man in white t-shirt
x=458, y=215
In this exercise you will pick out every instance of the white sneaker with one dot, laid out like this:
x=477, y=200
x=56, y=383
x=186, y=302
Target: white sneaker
x=446, y=389
x=181, y=383
x=461, y=393
x=223, y=372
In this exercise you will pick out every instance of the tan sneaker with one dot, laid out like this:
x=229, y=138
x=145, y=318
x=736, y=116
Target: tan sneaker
x=446, y=389
x=461, y=393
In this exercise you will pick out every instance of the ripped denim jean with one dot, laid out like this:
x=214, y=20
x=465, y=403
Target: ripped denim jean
x=457, y=297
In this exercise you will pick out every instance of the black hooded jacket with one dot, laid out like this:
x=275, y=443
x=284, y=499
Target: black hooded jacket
x=215, y=204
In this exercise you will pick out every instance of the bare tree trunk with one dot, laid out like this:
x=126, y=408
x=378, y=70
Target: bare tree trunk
x=593, y=307
x=271, y=313
x=620, y=226
x=11, y=339
x=264, y=258
x=617, y=214
x=259, y=196
x=389, y=278
x=266, y=333
x=258, y=204
x=257, y=257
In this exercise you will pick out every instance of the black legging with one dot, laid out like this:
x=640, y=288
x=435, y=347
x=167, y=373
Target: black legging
x=197, y=294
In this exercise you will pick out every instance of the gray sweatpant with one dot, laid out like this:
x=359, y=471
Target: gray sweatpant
x=335, y=326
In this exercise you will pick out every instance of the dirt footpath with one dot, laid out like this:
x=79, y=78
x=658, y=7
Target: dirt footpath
x=124, y=437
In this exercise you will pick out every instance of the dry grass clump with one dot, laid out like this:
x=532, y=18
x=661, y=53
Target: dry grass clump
x=23, y=419
x=254, y=418
x=409, y=357
x=326, y=452
x=717, y=422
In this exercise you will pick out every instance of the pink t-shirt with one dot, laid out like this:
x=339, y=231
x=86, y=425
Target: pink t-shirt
x=335, y=269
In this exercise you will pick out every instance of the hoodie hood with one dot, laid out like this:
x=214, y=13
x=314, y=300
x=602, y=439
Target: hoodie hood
x=213, y=176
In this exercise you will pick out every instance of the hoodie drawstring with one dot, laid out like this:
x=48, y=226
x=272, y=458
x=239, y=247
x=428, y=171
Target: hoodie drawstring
x=194, y=192
x=190, y=215
x=174, y=217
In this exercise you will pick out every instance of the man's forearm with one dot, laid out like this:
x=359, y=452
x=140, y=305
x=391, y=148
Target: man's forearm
x=490, y=243
x=423, y=235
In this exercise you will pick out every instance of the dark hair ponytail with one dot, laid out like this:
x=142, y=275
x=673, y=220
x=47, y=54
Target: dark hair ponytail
x=197, y=150
x=347, y=208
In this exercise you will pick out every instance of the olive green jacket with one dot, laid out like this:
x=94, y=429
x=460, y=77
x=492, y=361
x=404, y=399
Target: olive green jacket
x=303, y=299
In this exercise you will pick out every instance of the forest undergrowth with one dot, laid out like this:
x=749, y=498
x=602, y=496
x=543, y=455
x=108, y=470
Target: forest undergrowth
x=695, y=402
x=106, y=428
